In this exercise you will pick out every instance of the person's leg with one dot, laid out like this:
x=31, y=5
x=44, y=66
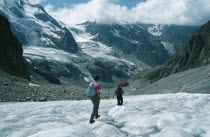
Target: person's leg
x=97, y=105
x=94, y=101
x=121, y=100
x=118, y=100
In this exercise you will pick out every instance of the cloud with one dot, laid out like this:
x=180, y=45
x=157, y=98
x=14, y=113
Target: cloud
x=36, y=1
x=181, y=12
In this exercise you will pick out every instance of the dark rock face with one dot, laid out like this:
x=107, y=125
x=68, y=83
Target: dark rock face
x=11, y=60
x=176, y=35
x=195, y=53
x=54, y=71
x=67, y=39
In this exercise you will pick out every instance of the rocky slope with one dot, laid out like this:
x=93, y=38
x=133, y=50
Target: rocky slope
x=195, y=53
x=187, y=71
x=16, y=89
x=11, y=59
x=172, y=37
x=195, y=80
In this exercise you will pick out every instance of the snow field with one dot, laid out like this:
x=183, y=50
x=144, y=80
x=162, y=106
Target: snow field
x=170, y=115
x=155, y=30
x=48, y=53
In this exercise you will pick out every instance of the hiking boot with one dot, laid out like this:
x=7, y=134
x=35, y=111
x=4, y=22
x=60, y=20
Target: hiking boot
x=92, y=121
x=98, y=116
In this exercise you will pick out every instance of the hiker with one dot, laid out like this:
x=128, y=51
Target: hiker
x=119, y=92
x=94, y=93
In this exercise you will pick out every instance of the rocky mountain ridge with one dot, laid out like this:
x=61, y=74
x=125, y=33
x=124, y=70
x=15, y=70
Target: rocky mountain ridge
x=114, y=52
x=52, y=54
x=150, y=43
x=11, y=59
x=194, y=54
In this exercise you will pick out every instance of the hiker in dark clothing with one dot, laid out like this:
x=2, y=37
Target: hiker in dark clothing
x=95, y=99
x=119, y=92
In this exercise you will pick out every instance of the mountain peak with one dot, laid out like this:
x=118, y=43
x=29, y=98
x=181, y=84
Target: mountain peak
x=34, y=27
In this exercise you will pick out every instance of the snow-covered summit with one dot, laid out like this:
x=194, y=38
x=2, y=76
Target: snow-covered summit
x=34, y=27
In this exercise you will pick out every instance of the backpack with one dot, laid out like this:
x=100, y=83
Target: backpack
x=118, y=92
x=91, y=90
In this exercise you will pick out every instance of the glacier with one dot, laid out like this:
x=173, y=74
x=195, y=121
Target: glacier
x=163, y=115
x=52, y=53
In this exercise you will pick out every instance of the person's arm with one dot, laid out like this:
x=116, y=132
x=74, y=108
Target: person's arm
x=98, y=90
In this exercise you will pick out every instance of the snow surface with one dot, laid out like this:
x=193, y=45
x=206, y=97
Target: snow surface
x=155, y=30
x=96, y=49
x=48, y=53
x=54, y=55
x=1, y=2
x=140, y=26
x=169, y=47
x=116, y=33
x=33, y=85
x=33, y=28
x=169, y=115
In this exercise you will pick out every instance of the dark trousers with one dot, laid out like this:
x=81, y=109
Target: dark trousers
x=96, y=101
x=119, y=100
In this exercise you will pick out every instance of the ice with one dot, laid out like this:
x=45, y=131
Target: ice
x=116, y=33
x=36, y=31
x=48, y=53
x=33, y=85
x=169, y=47
x=155, y=30
x=87, y=79
x=97, y=49
x=1, y=2
x=164, y=115
x=9, y=2
x=139, y=26
x=28, y=60
x=124, y=25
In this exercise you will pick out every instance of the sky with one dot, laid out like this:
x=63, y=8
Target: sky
x=63, y=3
x=180, y=12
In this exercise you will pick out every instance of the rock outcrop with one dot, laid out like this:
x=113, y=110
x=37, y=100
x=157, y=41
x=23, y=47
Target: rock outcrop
x=11, y=59
x=195, y=53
